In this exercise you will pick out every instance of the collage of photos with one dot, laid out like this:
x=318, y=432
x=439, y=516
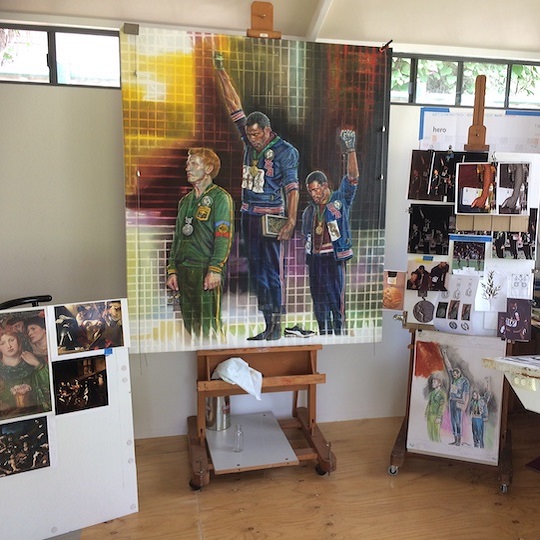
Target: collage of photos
x=475, y=282
x=37, y=383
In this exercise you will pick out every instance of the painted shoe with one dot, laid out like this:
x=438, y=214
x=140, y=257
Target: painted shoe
x=296, y=331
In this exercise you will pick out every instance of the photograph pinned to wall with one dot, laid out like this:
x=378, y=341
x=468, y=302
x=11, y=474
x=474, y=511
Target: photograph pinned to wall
x=513, y=188
x=517, y=244
x=433, y=173
x=425, y=278
x=90, y=326
x=515, y=322
x=393, y=289
x=520, y=285
x=80, y=384
x=419, y=180
x=491, y=294
x=455, y=402
x=25, y=385
x=429, y=228
x=476, y=188
x=24, y=446
x=426, y=274
x=469, y=252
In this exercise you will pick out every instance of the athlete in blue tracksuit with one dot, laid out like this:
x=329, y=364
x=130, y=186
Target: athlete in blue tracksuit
x=269, y=186
x=327, y=231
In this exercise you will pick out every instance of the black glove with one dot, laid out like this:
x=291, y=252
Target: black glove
x=347, y=138
x=218, y=61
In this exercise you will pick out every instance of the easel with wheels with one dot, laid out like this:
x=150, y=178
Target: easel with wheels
x=399, y=450
x=284, y=369
x=476, y=142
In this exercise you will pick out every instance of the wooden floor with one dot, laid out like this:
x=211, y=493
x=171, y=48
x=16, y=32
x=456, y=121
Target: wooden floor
x=435, y=499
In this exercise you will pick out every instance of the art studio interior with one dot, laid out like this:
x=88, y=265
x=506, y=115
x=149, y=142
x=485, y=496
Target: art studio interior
x=270, y=269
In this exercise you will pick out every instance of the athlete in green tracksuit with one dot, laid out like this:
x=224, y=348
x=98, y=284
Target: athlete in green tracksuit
x=435, y=408
x=201, y=246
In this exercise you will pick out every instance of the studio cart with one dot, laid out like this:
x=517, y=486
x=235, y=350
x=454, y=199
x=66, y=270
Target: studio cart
x=284, y=369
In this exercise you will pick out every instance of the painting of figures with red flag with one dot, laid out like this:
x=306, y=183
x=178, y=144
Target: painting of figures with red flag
x=456, y=402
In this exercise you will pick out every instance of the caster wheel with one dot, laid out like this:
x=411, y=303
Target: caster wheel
x=193, y=486
x=504, y=488
x=319, y=470
x=393, y=470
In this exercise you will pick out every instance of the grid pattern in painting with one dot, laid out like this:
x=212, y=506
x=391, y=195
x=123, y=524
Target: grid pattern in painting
x=310, y=91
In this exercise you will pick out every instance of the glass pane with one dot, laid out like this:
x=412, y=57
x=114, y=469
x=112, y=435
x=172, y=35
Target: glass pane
x=495, y=83
x=401, y=80
x=23, y=55
x=88, y=59
x=525, y=87
x=436, y=82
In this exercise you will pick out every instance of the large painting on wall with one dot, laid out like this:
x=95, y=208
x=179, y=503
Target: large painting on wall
x=255, y=174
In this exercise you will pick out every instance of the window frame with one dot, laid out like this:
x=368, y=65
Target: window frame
x=461, y=60
x=52, y=63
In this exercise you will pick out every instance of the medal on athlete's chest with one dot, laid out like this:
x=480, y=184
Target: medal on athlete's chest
x=320, y=219
x=187, y=229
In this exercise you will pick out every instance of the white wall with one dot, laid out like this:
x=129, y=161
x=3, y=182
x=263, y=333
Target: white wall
x=61, y=192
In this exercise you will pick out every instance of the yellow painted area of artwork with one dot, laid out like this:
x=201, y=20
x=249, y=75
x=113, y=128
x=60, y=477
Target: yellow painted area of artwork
x=167, y=330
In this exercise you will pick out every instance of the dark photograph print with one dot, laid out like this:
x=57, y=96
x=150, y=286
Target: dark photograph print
x=476, y=188
x=89, y=326
x=80, y=384
x=429, y=227
x=24, y=446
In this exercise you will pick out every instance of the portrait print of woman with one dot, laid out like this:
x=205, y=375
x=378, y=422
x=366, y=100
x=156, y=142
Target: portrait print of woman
x=24, y=380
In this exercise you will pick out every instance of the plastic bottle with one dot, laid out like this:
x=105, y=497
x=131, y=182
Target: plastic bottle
x=238, y=438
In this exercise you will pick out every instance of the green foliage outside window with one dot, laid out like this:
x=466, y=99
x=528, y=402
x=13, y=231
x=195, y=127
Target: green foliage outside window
x=440, y=77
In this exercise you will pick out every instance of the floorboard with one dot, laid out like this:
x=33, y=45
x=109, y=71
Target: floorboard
x=428, y=498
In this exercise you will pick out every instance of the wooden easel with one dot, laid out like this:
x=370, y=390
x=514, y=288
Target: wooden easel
x=399, y=450
x=262, y=21
x=476, y=142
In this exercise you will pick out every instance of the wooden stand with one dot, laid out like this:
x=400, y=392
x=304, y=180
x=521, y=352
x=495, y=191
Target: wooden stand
x=476, y=140
x=284, y=369
x=262, y=21
x=399, y=451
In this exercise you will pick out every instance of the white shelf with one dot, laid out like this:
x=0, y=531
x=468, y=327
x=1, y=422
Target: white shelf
x=265, y=445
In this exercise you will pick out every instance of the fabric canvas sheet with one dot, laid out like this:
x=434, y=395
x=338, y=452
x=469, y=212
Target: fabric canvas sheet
x=175, y=98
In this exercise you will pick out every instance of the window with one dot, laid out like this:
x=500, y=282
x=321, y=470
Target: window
x=436, y=81
x=23, y=55
x=451, y=82
x=62, y=56
x=496, y=77
x=524, y=87
x=401, y=80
